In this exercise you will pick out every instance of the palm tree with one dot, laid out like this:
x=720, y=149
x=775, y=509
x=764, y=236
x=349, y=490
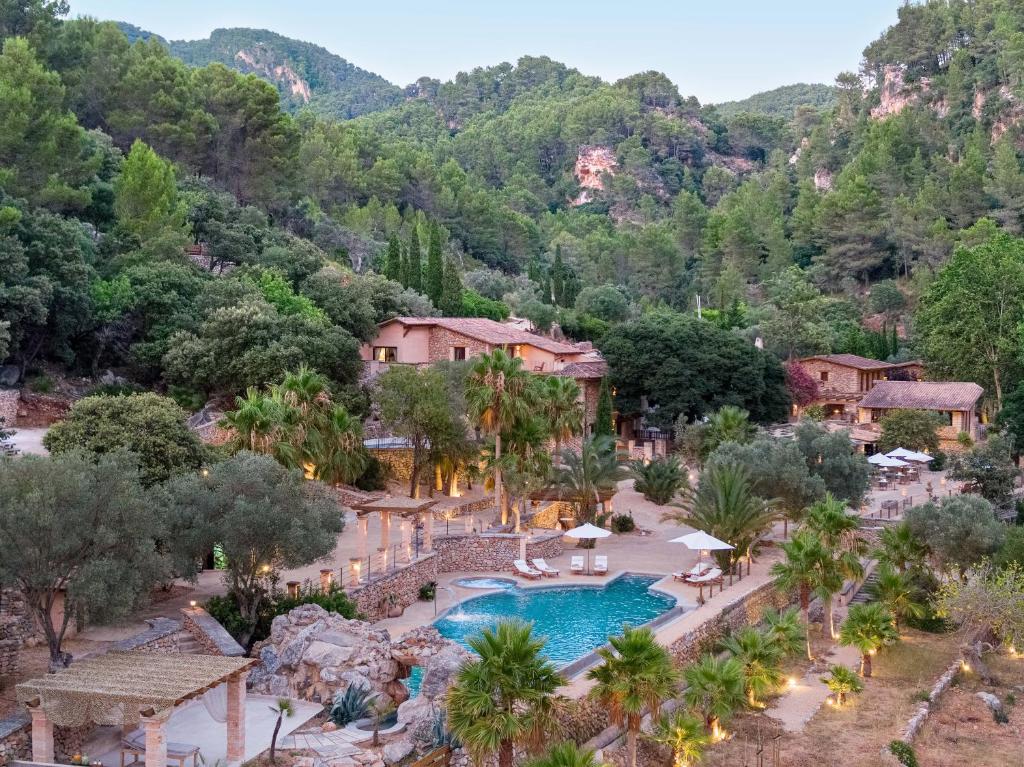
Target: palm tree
x=637, y=675
x=868, y=627
x=685, y=735
x=725, y=506
x=728, y=424
x=281, y=709
x=566, y=754
x=659, y=480
x=585, y=475
x=842, y=681
x=898, y=593
x=760, y=656
x=505, y=697
x=560, y=402
x=900, y=548
x=255, y=421
x=498, y=391
x=304, y=389
x=840, y=534
x=334, y=446
x=802, y=571
x=714, y=689
x=785, y=630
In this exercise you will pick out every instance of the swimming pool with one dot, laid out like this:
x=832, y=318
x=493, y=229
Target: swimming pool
x=574, y=620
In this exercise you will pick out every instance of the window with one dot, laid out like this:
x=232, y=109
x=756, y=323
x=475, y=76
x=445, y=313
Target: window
x=458, y=353
x=824, y=376
x=947, y=416
x=385, y=353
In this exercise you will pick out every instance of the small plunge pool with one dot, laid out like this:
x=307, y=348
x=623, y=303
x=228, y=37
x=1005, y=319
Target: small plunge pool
x=574, y=620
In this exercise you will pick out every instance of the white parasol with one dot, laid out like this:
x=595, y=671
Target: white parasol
x=588, y=531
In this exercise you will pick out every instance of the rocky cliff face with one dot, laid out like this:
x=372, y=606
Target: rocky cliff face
x=256, y=60
x=592, y=162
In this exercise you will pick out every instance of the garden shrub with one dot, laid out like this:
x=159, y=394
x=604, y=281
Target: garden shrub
x=374, y=476
x=659, y=480
x=428, y=591
x=904, y=753
x=623, y=523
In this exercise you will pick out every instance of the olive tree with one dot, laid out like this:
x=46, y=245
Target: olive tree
x=80, y=528
x=959, y=532
x=265, y=517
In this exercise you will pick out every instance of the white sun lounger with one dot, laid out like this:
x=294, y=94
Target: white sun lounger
x=520, y=567
x=576, y=565
x=697, y=570
x=545, y=568
x=601, y=564
x=711, y=575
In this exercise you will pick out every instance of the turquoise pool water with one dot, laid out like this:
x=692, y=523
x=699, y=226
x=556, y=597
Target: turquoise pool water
x=573, y=619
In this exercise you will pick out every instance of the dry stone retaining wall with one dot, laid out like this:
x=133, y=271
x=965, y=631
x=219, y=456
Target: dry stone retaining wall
x=14, y=738
x=9, y=401
x=491, y=551
x=402, y=586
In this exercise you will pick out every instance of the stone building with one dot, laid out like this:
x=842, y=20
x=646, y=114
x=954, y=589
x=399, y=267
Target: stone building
x=844, y=379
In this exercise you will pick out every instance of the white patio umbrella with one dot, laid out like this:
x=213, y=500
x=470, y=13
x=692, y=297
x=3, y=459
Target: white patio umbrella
x=586, y=531
x=903, y=454
x=702, y=542
x=886, y=462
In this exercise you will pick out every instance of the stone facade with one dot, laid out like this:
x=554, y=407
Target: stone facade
x=10, y=399
x=14, y=738
x=547, y=516
x=442, y=340
x=742, y=611
x=400, y=588
x=491, y=551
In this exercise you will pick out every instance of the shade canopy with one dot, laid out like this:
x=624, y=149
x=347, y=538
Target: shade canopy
x=588, y=531
x=118, y=687
x=701, y=541
x=910, y=455
x=885, y=461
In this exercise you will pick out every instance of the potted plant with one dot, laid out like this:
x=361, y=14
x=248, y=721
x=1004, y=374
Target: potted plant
x=394, y=609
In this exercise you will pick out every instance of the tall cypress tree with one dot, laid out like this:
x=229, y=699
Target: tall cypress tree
x=895, y=339
x=393, y=263
x=557, y=277
x=603, y=418
x=451, y=291
x=415, y=261
x=434, y=283
x=404, y=270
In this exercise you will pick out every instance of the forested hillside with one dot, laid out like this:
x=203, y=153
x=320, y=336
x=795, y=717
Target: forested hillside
x=529, y=188
x=782, y=101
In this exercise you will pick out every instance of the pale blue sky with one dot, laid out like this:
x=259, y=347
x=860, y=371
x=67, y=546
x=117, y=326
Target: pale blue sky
x=716, y=50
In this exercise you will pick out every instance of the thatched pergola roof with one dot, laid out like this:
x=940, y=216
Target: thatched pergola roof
x=394, y=504
x=119, y=688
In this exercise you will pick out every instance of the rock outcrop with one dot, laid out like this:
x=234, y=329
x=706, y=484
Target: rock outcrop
x=592, y=162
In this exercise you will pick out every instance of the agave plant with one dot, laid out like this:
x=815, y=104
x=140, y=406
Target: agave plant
x=842, y=681
x=351, y=704
x=660, y=480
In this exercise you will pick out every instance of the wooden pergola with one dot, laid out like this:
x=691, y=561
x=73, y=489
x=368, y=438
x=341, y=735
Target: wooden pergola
x=408, y=510
x=128, y=688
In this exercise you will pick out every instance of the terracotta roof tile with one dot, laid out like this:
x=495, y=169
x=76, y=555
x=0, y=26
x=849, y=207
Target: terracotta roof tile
x=922, y=395
x=596, y=369
x=490, y=332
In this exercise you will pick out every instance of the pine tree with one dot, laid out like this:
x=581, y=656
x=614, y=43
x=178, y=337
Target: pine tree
x=393, y=263
x=451, y=291
x=435, y=267
x=415, y=261
x=603, y=419
x=557, y=277
x=1006, y=184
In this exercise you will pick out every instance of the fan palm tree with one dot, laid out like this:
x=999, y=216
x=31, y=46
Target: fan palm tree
x=498, y=393
x=900, y=548
x=334, y=446
x=659, y=480
x=760, y=657
x=637, y=675
x=842, y=681
x=868, y=627
x=255, y=420
x=897, y=592
x=583, y=476
x=506, y=696
x=566, y=754
x=803, y=571
x=563, y=411
x=714, y=690
x=728, y=424
x=840, y=534
x=281, y=709
x=785, y=630
x=684, y=734
x=725, y=506
x=304, y=388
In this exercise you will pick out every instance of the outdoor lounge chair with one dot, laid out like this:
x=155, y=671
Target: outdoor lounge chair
x=576, y=565
x=521, y=568
x=710, y=576
x=135, y=744
x=545, y=568
x=697, y=570
x=601, y=564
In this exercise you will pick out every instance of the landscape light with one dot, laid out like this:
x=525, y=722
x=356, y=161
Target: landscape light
x=192, y=604
x=792, y=683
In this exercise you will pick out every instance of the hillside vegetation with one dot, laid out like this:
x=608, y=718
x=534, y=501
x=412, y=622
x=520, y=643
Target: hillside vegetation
x=782, y=101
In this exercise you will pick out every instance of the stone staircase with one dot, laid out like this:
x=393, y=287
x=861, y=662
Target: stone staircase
x=863, y=594
x=187, y=643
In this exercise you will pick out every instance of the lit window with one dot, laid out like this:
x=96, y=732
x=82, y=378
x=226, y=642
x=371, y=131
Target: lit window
x=385, y=353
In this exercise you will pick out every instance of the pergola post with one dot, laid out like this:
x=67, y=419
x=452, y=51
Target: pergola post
x=156, y=741
x=385, y=530
x=407, y=525
x=362, y=527
x=42, y=736
x=236, y=719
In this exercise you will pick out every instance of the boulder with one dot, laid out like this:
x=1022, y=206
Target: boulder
x=993, y=702
x=397, y=750
x=440, y=671
x=9, y=376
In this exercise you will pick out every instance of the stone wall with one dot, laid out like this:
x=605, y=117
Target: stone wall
x=742, y=611
x=548, y=516
x=491, y=551
x=211, y=636
x=402, y=587
x=442, y=340
x=841, y=379
x=9, y=401
x=161, y=636
x=14, y=738
x=15, y=620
